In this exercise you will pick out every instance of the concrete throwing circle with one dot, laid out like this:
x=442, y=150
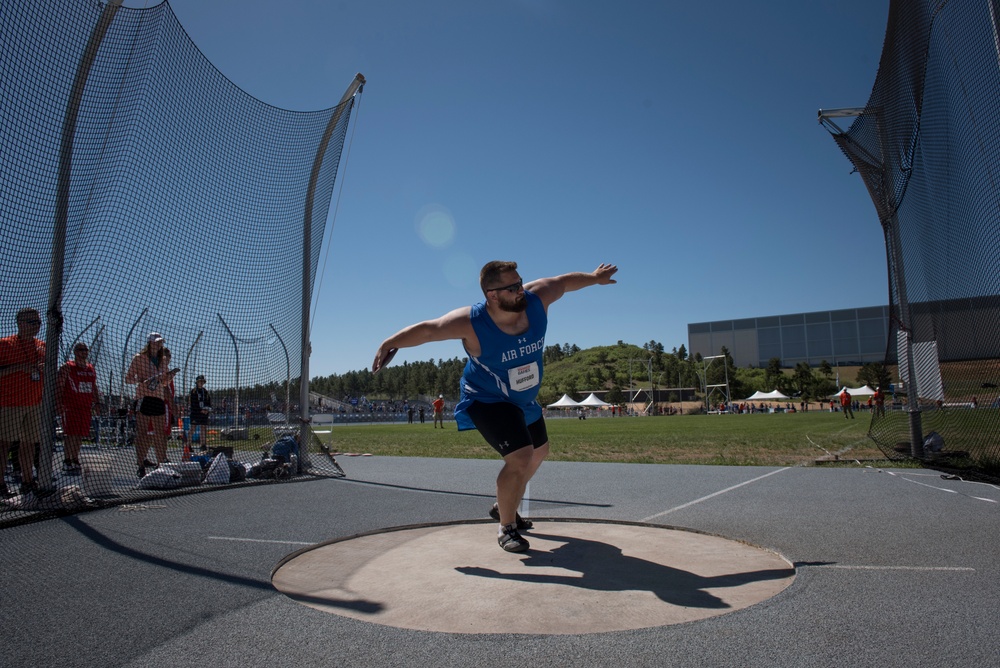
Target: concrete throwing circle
x=578, y=577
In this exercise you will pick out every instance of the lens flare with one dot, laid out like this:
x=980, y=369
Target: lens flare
x=436, y=226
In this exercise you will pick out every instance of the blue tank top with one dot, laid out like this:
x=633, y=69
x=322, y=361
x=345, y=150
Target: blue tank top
x=509, y=367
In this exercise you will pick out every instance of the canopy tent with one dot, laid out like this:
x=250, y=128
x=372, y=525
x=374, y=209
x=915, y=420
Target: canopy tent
x=593, y=402
x=863, y=391
x=773, y=395
x=564, y=402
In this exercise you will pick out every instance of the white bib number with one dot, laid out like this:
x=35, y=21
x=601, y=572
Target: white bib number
x=523, y=378
x=84, y=387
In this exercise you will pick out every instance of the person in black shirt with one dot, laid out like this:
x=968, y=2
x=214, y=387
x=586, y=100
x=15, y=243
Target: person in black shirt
x=200, y=407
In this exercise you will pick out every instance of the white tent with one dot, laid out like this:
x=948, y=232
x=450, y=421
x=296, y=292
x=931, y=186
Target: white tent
x=593, y=402
x=863, y=391
x=774, y=395
x=564, y=402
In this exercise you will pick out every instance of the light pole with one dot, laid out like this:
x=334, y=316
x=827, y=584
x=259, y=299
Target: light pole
x=652, y=394
x=630, y=384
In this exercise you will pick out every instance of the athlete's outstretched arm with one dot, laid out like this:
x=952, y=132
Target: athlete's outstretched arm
x=454, y=325
x=551, y=289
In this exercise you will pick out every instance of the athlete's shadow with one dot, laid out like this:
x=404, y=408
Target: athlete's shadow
x=605, y=568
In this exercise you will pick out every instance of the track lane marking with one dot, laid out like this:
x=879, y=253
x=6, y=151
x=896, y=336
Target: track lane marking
x=907, y=477
x=850, y=567
x=710, y=496
x=259, y=540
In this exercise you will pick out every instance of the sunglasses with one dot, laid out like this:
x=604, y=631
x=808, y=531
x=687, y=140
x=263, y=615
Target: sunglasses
x=513, y=288
x=33, y=321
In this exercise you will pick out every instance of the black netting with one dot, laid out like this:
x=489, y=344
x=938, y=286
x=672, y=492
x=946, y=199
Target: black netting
x=928, y=149
x=167, y=200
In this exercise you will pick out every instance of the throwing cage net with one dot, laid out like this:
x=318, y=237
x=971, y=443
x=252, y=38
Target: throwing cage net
x=927, y=146
x=144, y=196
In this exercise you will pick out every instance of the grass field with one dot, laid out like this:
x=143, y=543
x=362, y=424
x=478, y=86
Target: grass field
x=733, y=440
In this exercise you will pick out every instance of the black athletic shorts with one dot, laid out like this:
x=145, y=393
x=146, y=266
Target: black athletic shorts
x=152, y=406
x=502, y=425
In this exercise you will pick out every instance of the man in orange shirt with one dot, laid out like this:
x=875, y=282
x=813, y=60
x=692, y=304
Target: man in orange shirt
x=845, y=404
x=21, y=361
x=439, y=411
x=879, y=401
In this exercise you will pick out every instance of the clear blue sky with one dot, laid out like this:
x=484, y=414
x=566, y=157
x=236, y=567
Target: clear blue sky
x=676, y=140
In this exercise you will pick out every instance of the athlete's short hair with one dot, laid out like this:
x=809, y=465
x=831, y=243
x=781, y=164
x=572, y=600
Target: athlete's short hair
x=490, y=273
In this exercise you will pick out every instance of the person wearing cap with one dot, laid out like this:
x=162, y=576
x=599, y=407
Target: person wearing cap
x=439, y=411
x=845, y=404
x=879, y=398
x=77, y=398
x=22, y=358
x=200, y=405
x=148, y=372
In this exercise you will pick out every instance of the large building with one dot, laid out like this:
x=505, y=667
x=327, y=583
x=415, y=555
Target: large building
x=846, y=337
x=960, y=329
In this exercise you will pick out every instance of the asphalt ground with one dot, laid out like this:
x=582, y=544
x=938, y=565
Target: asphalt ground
x=890, y=568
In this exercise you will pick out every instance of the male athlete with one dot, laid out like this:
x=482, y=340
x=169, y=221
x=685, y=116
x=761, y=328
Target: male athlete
x=504, y=336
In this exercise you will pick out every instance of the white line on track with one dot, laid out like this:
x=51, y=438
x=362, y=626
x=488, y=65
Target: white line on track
x=848, y=567
x=259, y=540
x=714, y=494
x=907, y=477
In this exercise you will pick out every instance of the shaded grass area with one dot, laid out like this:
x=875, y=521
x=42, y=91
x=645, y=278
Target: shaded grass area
x=731, y=440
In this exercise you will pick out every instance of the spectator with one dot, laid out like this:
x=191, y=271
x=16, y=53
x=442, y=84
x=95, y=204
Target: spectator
x=22, y=359
x=845, y=404
x=439, y=411
x=879, y=398
x=148, y=372
x=199, y=406
x=77, y=398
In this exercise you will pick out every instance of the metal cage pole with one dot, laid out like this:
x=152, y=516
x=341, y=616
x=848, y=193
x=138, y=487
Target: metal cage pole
x=288, y=376
x=890, y=227
x=54, y=318
x=306, y=345
x=187, y=361
x=906, y=326
x=125, y=363
x=236, y=414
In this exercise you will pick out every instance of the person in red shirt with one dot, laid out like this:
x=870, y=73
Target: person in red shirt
x=77, y=398
x=879, y=401
x=22, y=358
x=845, y=404
x=439, y=411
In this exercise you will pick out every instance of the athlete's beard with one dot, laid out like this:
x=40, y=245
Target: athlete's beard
x=517, y=306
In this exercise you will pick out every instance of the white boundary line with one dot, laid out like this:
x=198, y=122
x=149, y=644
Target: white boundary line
x=714, y=494
x=848, y=567
x=258, y=540
x=906, y=476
